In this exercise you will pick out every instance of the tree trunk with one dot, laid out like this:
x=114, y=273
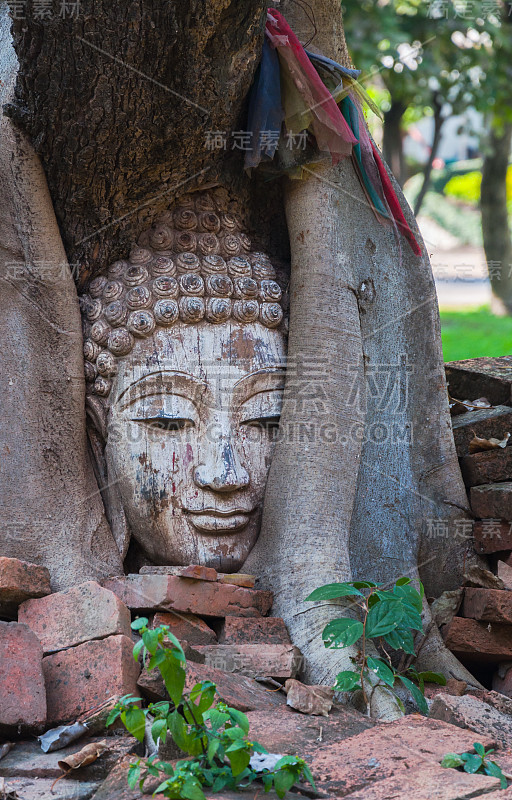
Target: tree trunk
x=495, y=227
x=427, y=171
x=392, y=141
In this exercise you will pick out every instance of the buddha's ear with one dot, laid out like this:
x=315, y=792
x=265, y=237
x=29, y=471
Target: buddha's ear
x=96, y=415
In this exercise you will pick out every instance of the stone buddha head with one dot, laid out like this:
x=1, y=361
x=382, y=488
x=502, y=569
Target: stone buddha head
x=185, y=351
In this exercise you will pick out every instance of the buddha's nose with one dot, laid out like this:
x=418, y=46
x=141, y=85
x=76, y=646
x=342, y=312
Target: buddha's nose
x=221, y=470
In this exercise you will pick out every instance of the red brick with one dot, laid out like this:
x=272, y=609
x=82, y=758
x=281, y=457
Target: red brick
x=241, y=630
x=484, y=423
x=488, y=605
x=489, y=466
x=492, y=535
x=492, y=500
x=238, y=579
x=505, y=574
x=171, y=593
x=82, y=677
x=186, y=627
x=19, y=581
x=195, y=571
x=22, y=692
x=479, y=641
x=470, y=713
x=77, y=615
x=428, y=781
x=255, y=660
x=237, y=691
x=481, y=377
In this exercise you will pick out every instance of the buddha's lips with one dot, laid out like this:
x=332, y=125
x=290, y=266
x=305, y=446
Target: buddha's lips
x=216, y=521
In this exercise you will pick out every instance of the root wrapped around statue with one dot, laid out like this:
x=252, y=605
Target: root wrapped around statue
x=275, y=404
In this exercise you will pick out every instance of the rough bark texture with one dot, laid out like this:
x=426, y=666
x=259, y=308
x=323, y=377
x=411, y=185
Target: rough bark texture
x=495, y=229
x=51, y=511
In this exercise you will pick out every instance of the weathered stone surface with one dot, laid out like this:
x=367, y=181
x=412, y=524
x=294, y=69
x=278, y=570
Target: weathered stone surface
x=505, y=574
x=484, y=423
x=429, y=782
x=315, y=700
x=115, y=786
x=43, y=789
x=481, y=377
x=22, y=691
x=492, y=535
x=480, y=641
x=238, y=579
x=254, y=660
x=488, y=466
x=27, y=760
x=20, y=580
x=402, y=749
x=470, y=712
x=82, y=677
x=186, y=627
x=171, y=593
x=237, y=691
x=77, y=615
x=241, y=630
x=488, y=605
x=195, y=571
x=492, y=500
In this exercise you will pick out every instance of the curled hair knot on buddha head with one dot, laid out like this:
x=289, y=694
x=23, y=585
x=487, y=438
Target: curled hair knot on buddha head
x=193, y=265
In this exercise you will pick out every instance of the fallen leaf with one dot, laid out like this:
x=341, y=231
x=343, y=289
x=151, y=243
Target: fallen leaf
x=57, y=738
x=444, y=608
x=462, y=406
x=87, y=755
x=315, y=700
x=478, y=444
x=480, y=578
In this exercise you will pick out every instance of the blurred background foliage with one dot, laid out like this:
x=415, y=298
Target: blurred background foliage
x=441, y=72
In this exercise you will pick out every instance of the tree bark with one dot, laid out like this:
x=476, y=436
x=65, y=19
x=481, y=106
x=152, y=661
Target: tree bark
x=392, y=141
x=427, y=171
x=495, y=226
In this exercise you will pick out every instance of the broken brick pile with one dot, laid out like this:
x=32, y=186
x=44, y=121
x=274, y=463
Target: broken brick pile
x=481, y=633
x=68, y=652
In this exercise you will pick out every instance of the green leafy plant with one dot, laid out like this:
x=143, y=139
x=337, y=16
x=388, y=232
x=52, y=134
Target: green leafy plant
x=388, y=617
x=213, y=736
x=475, y=762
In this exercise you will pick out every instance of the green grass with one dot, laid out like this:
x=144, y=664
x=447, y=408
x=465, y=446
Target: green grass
x=471, y=334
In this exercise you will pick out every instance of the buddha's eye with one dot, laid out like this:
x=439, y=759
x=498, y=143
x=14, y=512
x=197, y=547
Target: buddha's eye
x=269, y=424
x=165, y=423
x=263, y=411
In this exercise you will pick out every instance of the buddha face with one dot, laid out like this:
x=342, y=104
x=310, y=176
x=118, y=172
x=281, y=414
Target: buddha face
x=190, y=434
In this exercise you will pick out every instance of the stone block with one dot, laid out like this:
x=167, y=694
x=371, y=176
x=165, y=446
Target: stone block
x=505, y=574
x=195, y=571
x=82, y=677
x=484, y=642
x=488, y=466
x=19, y=581
x=502, y=681
x=471, y=713
x=186, y=627
x=244, y=630
x=429, y=781
x=254, y=660
x=237, y=691
x=481, y=377
x=171, y=593
x=492, y=535
x=488, y=605
x=492, y=500
x=484, y=423
x=44, y=789
x=238, y=579
x=77, y=615
x=22, y=691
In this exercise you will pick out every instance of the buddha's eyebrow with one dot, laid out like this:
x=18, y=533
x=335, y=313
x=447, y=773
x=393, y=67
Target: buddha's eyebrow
x=157, y=382
x=279, y=370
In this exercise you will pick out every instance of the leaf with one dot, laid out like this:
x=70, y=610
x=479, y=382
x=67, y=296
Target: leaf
x=401, y=639
x=213, y=746
x=308, y=775
x=479, y=748
x=174, y=677
x=234, y=733
x=491, y=768
x=133, y=775
x=342, y=632
x=410, y=594
x=159, y=730
x=382, y=670
x=433, y=677
x=416, y=694
x=403, y=581
x=383, y=617
x=112, y=716
x=239, y=760
x=332, y=591
x=452, y=760
x=191, y=789
x=137, y=648
x=347, y=681
x=239, y=718
x=477, y=444
x=364, y=585
x=283, y=781
x=139, y=623
x=217, y=718
x=87, y=755
x=150, y=639
x=472, y=763
x=135, y=722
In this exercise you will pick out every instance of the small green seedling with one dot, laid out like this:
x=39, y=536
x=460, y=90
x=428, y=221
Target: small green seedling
x=388, y=617
x=213, y=736
x=476, y=762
